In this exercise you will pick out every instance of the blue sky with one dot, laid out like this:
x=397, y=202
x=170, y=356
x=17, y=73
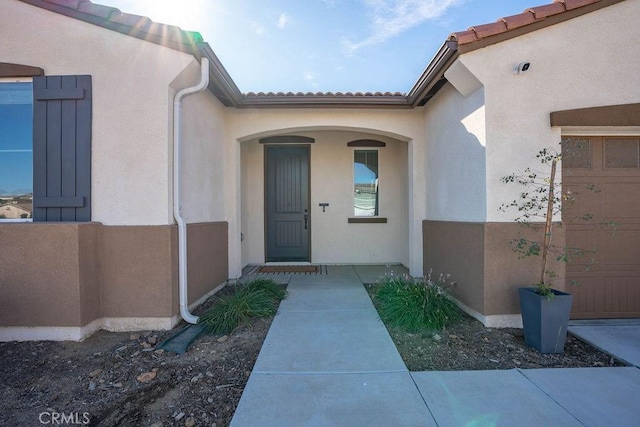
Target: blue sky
x=324, y=45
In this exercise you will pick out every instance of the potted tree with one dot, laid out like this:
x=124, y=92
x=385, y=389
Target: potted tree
x=545, y=311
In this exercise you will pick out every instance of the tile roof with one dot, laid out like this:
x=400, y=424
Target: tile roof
x=529, y=16
x=134, y=25
x=326, y=94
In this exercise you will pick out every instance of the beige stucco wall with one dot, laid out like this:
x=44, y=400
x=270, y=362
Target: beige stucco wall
x=455, y=175
x=131, y=105
x=204, y=146
x=587, y=61
x=245, y=200
x=333, y=239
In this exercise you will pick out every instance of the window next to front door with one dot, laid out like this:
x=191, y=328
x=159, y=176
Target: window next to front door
x=16, y=149
x=365, y=183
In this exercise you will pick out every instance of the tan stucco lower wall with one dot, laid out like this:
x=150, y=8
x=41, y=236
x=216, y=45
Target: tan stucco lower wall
x=68, y=275
x=48, y=275
x=479, y=259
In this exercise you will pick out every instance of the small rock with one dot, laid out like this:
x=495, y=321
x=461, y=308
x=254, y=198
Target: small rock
x=157, y=424
x=209, y=374
x=223, y=338
x=155, y=369
x=146, y=345
x=146, y=377
x=517, y=362
x=453, y=337
x=95, y=373
x=134, y=337
x=196, y=378
x=159, y=352
x=179, y=416
x=437, y=337
x=92, y=386
x=117, y=385
x=137, y=353
x=190, y=422
x=210, y=399
x=153, y=339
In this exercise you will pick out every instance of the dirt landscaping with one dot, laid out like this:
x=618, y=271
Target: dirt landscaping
x=121, y=379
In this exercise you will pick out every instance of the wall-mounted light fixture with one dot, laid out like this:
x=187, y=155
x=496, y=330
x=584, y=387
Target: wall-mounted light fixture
x=521, y=67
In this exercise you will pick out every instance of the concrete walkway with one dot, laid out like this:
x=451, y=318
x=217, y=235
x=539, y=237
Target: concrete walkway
x=329, y=361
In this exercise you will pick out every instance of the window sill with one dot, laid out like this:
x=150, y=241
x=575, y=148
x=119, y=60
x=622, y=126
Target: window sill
x=365, y=220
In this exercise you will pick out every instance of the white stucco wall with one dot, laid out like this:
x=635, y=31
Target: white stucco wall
x=204, y=146
x=592, y=60
x=455, y=157
x=131, y=141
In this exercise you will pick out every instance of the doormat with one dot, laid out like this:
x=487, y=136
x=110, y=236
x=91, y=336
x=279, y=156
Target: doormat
x=289, y=269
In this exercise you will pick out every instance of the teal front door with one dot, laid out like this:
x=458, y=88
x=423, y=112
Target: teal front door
x=288, y=223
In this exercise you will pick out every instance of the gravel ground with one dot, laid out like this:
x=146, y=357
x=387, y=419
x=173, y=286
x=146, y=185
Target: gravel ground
x=121, y=379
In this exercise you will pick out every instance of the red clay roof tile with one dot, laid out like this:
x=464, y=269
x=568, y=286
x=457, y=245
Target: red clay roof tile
x=73, y=4
x=463, y=37
x=136, y=21
x=515, y=21
x=509, y=23
x=547, y=10
x=99, y=10
x=574, y=4
x=487, y=30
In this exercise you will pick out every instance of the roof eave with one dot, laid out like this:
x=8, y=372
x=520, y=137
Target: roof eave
x=433, y=73
x=534, y=26
x=221, y=85
x=325, y=101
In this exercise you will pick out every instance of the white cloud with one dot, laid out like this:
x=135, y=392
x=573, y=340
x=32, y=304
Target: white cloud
x=283, y=20
x=311, y=77
x=390, y=18
x=257, y=28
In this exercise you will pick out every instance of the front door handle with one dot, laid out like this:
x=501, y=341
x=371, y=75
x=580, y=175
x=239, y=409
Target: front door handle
x=306, y=219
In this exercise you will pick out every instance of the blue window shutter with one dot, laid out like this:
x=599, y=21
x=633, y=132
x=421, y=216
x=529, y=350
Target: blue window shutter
x=62, y=148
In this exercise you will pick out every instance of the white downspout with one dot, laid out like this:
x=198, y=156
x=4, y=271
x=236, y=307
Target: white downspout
x=177, y=182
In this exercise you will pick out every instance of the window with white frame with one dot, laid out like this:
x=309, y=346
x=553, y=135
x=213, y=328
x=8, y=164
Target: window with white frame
x=365, y=183
x=16, y=149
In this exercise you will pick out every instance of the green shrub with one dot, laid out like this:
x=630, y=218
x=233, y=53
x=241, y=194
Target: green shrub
x=415, y=305
x=269, y=286
x=258, y=298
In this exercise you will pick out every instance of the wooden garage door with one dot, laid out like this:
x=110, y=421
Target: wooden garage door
x=603, y=174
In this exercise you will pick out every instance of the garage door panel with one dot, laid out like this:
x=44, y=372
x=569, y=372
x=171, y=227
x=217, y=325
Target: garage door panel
x=622, y=294
x=622, y=199
x=584, y=201
x=610, y=288
x=583, y=238
x=587, y=297
x=620, y=249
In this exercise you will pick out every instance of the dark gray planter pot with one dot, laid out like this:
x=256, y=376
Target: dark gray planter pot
x=545, y=321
